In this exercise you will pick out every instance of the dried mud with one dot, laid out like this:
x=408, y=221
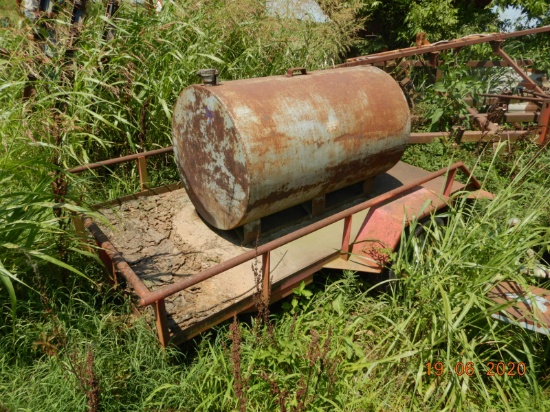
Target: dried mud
x=164, y=240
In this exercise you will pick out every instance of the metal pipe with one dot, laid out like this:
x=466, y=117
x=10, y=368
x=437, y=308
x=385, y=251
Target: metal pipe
x=468, y=136
x=118, y=160
x=166, y=291
x=517, y=97
x=104, y=243
x=543, y=120
x=439, y=46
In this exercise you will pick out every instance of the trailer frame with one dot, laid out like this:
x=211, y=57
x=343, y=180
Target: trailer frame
x=268, y=290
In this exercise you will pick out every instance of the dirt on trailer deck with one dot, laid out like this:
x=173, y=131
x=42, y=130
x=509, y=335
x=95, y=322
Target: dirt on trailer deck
x=163, y=239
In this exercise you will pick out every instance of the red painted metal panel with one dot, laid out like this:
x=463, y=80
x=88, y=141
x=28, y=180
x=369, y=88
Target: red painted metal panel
x=528, y=307
x=383, y=226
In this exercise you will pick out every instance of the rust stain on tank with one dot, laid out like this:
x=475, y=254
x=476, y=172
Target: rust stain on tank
x=249, y=148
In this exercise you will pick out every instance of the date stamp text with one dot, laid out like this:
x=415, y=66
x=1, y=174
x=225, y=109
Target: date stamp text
x=470, y=369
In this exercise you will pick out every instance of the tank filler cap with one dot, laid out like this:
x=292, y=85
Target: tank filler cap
x=209, y=76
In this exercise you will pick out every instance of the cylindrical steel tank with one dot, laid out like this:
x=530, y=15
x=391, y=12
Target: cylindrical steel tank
x=248, y=148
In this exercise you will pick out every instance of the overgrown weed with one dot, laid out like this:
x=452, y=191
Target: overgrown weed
x=341, y=349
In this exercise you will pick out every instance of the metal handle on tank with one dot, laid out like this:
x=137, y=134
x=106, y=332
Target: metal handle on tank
x=290, y=72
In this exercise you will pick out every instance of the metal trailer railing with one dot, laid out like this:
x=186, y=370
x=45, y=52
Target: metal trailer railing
x=115, y=262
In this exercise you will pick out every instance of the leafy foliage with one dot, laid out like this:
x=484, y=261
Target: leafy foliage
x=394, y=24
x=116, y=97
x=334, y=346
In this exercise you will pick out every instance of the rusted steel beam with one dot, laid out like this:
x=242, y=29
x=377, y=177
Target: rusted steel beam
x=498, y=51
x=472, y=63
x=162, y=293
x=439, y=46
x=161, y=322
x=118, y=160
x=543, y=123
x=469, y=136
x=449, y=182
x=521, y=117
x=344, y=254
x=116, y=257
x=517, y=97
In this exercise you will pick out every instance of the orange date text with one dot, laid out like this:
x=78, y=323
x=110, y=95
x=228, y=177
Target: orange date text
x=469, y=369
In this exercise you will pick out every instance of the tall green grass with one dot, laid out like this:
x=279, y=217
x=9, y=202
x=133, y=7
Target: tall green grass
x=344, y=347
x=31, y=233
x=8, y=9
x=115, y=97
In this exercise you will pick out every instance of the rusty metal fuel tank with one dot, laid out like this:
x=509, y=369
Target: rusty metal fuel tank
x=249, y=148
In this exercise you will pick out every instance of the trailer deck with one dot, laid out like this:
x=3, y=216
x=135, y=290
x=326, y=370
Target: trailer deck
x=164, y=241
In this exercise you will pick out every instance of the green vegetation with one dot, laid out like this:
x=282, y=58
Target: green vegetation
x=69, y=342
x=8, y=9
x=340, y=348
x=394, y=24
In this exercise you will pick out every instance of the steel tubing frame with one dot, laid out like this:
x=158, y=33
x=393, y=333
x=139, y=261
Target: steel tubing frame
x=471, y=136
x=439, y=46
x=121, y=159
x=141, y=159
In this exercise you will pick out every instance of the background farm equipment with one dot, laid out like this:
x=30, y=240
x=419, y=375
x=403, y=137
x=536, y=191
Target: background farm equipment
x=498, y=110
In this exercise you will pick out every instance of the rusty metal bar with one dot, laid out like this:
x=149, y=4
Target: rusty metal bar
x=161, y=322
x=471, y=63
x=117, y=259
x=498, y=51
x=266, y=285
x=110, y=269
x=449, y=182
x=143, y=175
x=166, y=291
x=468, y=136
x=439, y=46
x=520, y=117
x=543, y=123
x=344, y=254
x=118, y=160
x=518, y=97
